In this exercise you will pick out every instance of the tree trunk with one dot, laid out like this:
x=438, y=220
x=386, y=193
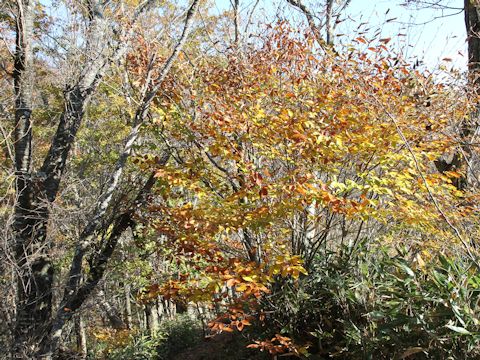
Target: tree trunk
x=112, y=313
x=81, y=336
x=76, y=293
x=472, y=24
x=469, y=126
x=459, y=159
x=35, y=192
x=34, y=282
x=128, y=306
x=151, y=316
x=36, y=334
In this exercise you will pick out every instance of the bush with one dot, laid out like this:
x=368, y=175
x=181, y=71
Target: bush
x=172, y=337
x=141, y=347
x=182, y=332
x=377, y=306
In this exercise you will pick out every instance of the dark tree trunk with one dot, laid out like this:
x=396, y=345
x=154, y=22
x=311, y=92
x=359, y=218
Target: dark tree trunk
x=35, y=191
x=458, y=160
x=37, y=335
x=468, y=126
x=35, y=276
x=472, y=24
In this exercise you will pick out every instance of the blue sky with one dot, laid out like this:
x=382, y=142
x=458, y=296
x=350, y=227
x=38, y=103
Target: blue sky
x=431, y=37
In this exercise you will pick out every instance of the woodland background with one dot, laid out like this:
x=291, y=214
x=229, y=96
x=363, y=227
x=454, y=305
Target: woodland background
x=183, y=180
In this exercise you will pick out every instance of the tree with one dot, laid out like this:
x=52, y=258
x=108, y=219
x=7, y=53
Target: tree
x=279, y=162
x=263, y=180
x=460, y=159
x=107, y=39
x=330, y=14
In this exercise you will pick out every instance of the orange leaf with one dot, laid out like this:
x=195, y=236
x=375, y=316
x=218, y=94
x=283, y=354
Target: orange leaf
x=231, y=282
x=298, y=137
x=263, y=191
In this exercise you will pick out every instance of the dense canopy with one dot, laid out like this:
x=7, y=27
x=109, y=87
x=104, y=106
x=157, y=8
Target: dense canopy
x=201, y=181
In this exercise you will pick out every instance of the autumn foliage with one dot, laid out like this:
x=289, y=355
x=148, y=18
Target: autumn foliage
x=278, y=193
x=286, y=153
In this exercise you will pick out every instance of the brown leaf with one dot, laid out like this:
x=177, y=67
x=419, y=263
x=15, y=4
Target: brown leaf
x=411, y=351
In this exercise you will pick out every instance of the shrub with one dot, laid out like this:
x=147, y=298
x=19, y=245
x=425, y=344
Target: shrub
x=181, y=333
x=172, y=337
x=376, y=305
x=142, y=346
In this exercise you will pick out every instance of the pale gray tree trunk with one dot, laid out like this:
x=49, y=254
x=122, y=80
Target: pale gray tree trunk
x=151, y=316
x=128, y=306
x=81, y=336
x=75, y=292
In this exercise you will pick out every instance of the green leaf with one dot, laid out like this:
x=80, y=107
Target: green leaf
x=408, y=270
x=459, y=329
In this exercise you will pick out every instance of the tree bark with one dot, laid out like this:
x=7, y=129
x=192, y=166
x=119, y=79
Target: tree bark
x=35, y=273
x=75, y=293
x=328, y=21
x=35, y=192
x=81, y=336
x=112, y=313
x=34, y=332
x=128, y=307
x=472, y=25
x=151, y=316
x=236, y=38
x=72, y=302
x=458, y=159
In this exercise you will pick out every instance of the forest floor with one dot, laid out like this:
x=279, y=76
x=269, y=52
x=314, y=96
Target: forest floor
x=221, y=347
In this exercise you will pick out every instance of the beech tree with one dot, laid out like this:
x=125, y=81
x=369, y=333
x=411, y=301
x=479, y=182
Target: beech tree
x=107, y=39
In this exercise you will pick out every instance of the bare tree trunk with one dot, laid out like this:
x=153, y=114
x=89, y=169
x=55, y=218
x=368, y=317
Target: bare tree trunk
x=81, y=336
x=34, y=192
x=460, y=158
x=98, y=262
x=328, y=22
x=160, y=308
x=236, y=29
x=151, y=316
x=472, y=24
x=34, y=332
x=112, y=313
x=128, y=306
x=75, y=293
x=34, y=297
